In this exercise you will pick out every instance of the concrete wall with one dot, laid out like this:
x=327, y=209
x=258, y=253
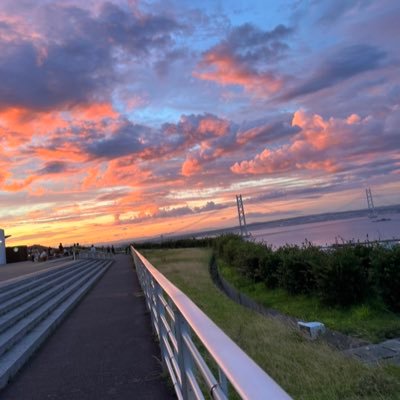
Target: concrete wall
x=2, y=248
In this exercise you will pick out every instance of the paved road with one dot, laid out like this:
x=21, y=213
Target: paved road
x=103, y=350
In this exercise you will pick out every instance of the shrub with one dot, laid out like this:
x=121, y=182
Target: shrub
x=386, y=265
x=341, y=276
x=295, y=273
x=230, y=249
x=269, y=267
x=342, y=280
x=248, y=258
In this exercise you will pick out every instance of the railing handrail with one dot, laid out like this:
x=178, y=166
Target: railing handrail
x=248, y=379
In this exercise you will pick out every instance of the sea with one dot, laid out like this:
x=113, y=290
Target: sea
x=329, y=232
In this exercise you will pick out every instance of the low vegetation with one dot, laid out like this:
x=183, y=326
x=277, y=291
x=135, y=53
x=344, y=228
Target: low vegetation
x=306, y=370
x=342, y=276
x=370, y=320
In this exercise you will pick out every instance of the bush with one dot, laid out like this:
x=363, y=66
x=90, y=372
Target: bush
x=343, y=276
x=386, y=265
x=269, y=267
x=342, y=279
x=253, y=261
x=295, y=273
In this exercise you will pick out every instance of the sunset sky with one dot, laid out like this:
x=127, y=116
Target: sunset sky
x=129, y=119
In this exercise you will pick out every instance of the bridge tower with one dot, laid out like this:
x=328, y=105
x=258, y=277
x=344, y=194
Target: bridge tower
x=371, y=208
x=242, y=217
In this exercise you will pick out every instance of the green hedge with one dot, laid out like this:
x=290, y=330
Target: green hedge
x=341, y=276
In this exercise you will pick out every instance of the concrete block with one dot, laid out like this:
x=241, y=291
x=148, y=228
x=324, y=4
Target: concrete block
x=392, y=344
x=311, y=329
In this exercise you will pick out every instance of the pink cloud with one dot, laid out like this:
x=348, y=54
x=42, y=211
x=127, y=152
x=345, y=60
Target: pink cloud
x=16, y=186
x=217, y=126
x=225, y=70
x=322, y=144
x=191, y=166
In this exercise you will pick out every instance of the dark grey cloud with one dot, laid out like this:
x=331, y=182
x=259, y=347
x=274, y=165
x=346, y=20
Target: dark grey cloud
x=339, y=66
x=163, y=65
x=76, y=60
x=336, y=185
x=330, y=12
x=114, y=195
x=126, y=140
x=138, y=35
x=380, y=168
x=54, y=167
x=253, y=44
x=252, y=47
x=262, y=132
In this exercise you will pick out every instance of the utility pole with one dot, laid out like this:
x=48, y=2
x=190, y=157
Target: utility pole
x=370, y=201
x=242, y=217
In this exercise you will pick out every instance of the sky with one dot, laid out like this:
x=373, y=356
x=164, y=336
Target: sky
x=127, y=119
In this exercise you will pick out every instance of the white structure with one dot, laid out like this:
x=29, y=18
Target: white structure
x=2, y=248
x=312, y=329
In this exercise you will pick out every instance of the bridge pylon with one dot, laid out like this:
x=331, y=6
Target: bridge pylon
x=371, y=208
x=242, y=217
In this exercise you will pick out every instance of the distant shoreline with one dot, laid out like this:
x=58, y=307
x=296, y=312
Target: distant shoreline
x=305, y=219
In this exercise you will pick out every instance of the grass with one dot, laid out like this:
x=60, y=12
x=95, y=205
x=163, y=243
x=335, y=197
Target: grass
x=370, y=320
x=309, y=371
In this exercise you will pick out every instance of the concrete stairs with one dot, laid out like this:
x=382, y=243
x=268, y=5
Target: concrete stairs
x=32, y=307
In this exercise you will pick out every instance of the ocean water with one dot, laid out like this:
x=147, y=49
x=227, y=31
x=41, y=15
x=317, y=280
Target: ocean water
x=330, y=232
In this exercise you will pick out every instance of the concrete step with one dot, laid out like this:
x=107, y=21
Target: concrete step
x=14, y=315
x=10, y=283
x=8, y=292
x=48, y=282
x=15, y=332
x=32, y=330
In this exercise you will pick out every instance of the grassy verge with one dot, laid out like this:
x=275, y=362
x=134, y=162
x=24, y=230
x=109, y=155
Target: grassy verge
x=306, y=370
x=370, y=320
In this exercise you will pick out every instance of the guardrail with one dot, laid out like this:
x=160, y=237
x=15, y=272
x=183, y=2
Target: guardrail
x=83, y=254
x=180, y=326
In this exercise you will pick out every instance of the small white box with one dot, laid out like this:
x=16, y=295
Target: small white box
x=312, y=329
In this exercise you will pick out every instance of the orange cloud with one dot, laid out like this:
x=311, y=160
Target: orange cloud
x=94, y=111
x=18, y=185
x=225, y=70
x=353, y=119
x=219, y=127
x=19, y=125
x=190, y=167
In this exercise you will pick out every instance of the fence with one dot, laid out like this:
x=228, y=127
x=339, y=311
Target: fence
x=244, y=300
x=182, y=328
x=83, y=254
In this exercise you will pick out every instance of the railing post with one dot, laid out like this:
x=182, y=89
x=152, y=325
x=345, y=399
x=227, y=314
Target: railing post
x=161, y=329
x=185, y=361
x=153, y=305
x=223, y=382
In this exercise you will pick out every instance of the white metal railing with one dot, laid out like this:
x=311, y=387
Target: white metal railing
x=180, y=325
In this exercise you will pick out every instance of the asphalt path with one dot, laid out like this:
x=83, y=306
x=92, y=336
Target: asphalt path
x=104, y=349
